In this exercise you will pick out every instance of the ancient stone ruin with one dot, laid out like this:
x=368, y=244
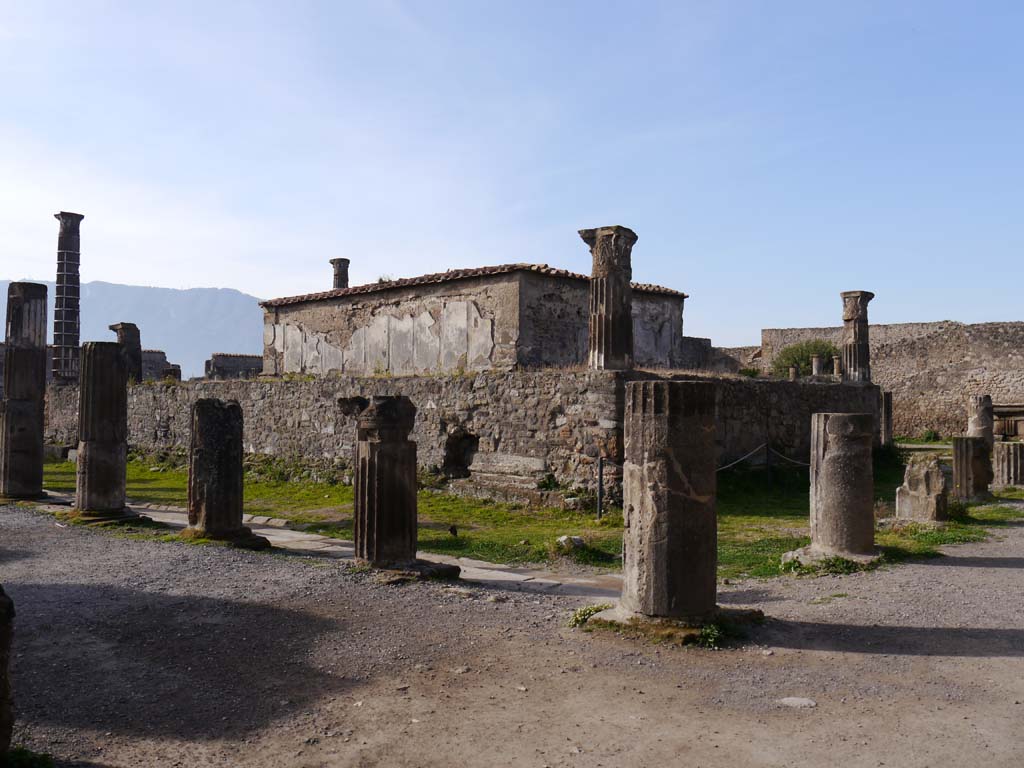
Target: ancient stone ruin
x=972, y=468
x=103, y=431
x=385, y=483
x=1008, y=465
x=215, y=475
x=855, y=348
x=340, y=273
x=128, y=338
x=842, y=489
x=22, y=411
x=611, y=297
x=981, y=419
x=66, y=301
x=6, y=708
x=670, y=538
x=924, y=495
x=885, y=420
x=816, y=369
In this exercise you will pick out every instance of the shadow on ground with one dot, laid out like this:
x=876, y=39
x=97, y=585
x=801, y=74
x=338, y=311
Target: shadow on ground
x=142, y=663
x=973, y=562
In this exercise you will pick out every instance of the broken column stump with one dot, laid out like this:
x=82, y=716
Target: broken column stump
x=385, y=489
x=215, y=474
x=611, y=297
x=128, y=337
x=924, y=495
x=842, y=490
x=6, y=708
x=102, y=432
x=972, y=469
x=23, y=408
x=1008, y=465
x=981, y=419
x=670, y=545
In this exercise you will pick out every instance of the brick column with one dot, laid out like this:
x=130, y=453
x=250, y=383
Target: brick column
x=66, y=300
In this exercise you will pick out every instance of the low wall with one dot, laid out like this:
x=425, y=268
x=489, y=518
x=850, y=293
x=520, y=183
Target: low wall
x=931, y=368
x=525, y=424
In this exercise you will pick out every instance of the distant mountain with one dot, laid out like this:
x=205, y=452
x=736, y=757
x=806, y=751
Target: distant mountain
x=189, y=325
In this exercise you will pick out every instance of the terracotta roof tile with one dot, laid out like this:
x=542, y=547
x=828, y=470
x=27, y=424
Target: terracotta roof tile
x=452, y=274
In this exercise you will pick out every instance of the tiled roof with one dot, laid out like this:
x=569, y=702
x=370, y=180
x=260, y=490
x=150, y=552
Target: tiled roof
x=234, y=355
x=453, y=274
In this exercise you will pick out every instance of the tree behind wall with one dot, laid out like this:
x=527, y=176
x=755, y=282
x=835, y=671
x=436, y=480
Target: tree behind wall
x=799, y=354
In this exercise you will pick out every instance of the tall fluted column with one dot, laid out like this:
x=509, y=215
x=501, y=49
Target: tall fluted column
x=611, y=297
x=22, y=409
x=66, y=300
x=1008, y=465
x=855, y=349
x=128, y=337
x=215, y=474
x=670, y=545
x=340, y=273
x=102, y=430
x=972, y=468
x=385, y=483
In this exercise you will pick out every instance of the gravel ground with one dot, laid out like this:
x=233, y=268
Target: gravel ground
x=135, y=653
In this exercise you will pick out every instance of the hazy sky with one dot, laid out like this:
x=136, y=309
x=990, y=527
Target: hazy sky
x=768, y=154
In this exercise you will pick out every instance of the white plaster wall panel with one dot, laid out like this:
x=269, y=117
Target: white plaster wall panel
x=427, y=343
x=278, y=337
x=293, y=337
x=401, y=344
x=269, y=332
x=454, y=335
x=480, y=338
x=311, y=354
x=377, y=344
x=355, y=352
x=332, y=358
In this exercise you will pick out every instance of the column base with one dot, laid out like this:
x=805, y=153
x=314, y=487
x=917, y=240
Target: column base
x=8, y=498
x=417, y=570
x=89, y=517
x=243, y=538
x=683, y=630
x=809, y=557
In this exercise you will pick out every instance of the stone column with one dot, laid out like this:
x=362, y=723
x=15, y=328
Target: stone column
x=611, y=297
x=128, y=338
x=23, y=407
x=385, y=483
x=855, y=349
x=102, y=431
x=340, y=273
x=794, y=373
x=842, y=488
x=885, y=419
x=66, y=300
x=816, y=365
x=923, y=495
x=1008, y=461
x=670, y=544
x=980, y=419
x=837, y=365
x=6, y=710
x=972, y=468
x=215, y=495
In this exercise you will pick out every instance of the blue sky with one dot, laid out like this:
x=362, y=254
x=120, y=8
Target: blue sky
x=768, y=154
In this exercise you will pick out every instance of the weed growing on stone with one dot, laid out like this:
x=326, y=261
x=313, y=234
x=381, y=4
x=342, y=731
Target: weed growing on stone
x=582, y=615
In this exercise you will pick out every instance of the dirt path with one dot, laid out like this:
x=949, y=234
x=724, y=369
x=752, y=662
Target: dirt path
x=134, y=653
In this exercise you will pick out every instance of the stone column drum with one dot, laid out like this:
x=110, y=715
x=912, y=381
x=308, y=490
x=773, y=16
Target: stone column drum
x=66, y=299
x=794, y=373
x=816, y=365
x=670, y=544
x=340, y=273
x=128, y=337
x=1008, y=465
x=885, y=419
x=102, y=430
x=6, y=708
x=972, y=468
x=855, y=349
x=981, y=419
x=842, y=488
x=215, y=474
x=837, y=366
x=611, y=297
x=385, y=483
x=23, y=408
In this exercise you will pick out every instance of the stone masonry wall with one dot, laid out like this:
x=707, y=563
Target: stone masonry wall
x=528, y=423
x=931, y=368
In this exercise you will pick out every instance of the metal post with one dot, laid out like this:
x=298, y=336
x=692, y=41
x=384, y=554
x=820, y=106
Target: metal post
x=600, y=486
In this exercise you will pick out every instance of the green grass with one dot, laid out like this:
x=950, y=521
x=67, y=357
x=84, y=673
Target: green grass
x=761, y=515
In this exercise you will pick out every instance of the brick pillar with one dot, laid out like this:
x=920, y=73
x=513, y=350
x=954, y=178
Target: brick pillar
x=385, y=483
x=102, y=430
x=66, y=299
x=23, y=407
x=855, y=349
x=671, y=535
x=972, y=468
x=340, y=273
x=215, y=474
x=128, y=338
x=611, y=297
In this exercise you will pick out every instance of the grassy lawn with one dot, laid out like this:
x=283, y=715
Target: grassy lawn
x=761, y=515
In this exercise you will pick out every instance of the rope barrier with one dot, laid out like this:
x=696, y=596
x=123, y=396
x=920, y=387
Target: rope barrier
x=791, y=461
x=762, y=445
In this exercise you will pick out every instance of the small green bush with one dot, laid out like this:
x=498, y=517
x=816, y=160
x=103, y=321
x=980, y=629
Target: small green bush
x=931, y=436
x=750, y=373
x=800, y=355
